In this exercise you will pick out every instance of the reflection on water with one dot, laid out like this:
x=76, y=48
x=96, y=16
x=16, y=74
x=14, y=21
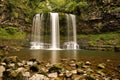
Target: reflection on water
x=54, y=56
x=75, y=54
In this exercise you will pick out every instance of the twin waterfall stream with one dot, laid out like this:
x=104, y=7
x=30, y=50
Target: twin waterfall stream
x=46, y=32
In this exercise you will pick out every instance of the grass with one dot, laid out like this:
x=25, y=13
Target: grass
x=106, y=38
x=11, y=33
x=12, y=36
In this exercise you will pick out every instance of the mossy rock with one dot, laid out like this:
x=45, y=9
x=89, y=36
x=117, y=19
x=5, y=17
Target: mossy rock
x=34, y=68
x=80, y=64
x=101, y=66
x=56, y=68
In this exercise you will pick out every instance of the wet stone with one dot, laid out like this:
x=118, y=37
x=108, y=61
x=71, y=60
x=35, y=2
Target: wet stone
x=71, y=70
x=101, y=73
x=26, y=74
x=34, y=68
x=56, y=68
x=90, y=78
x=72, y=61
x=20, y=69
x=79, y=64
x=13, y=59
x=12, y=65
x=89, y=71
x=79, y=71
x=4, y=64
x=53, y=75
x=63, y=60
x=14, y=73
x=68, y=74
x=30, y=63
x=73, y=65
x=61, y=74
x=87, y=63
x=74, y=71
x=76, y=77
x=2, y=69
x=101, y=66
x=38, y=77
x=20, y=64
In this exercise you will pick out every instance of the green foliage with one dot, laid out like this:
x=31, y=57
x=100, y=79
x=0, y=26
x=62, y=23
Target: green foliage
x=11, y=33
x=117, y=9
x=56, y=3
x=70, y=7
x=11, y=30
x=3, y=32
x=83, y=4
x=105, y=38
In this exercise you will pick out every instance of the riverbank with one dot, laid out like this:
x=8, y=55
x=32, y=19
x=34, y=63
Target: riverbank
x=104, y=41
x=11, y=38
x=13, y=68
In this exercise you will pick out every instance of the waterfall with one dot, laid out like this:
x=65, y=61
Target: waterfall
x=37, y=32
x=71, y=33
x=73, y=18
x=55, y=44
x=46, y=32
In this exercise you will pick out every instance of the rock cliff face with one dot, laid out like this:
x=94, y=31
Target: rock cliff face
x=96, y=16
x=104, y=17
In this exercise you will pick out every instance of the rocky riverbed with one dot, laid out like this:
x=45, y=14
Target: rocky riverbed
x=12, y=68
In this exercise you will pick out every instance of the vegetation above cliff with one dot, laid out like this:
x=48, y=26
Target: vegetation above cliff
x=96, y=16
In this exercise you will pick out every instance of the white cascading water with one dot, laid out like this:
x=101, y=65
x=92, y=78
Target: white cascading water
x=55, y=40
x=73, y=18
x=36, y=37
x=38, y=40
x=68, y=28
x=71, y=33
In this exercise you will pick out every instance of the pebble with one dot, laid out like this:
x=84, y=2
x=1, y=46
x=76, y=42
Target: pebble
x=2, y=69
x=71, y=70
x=38, y=77
x=73, y=65
x=68, y=74
x=88, y=63
x=74, y=71
x=4, y=64
x=101, y=66
x=53, y=75
x=30, y=63
x=21, y=69
x=101, y=73
x=26, y=74
x=20, y=64
x=79, y=71
x=12, y=65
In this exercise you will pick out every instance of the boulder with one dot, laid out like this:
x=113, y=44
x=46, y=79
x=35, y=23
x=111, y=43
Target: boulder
x=34, y=68
x=56, y=68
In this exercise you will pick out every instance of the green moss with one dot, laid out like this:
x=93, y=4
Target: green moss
x=105, y=39
x=11, y=33
x=12, y=37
